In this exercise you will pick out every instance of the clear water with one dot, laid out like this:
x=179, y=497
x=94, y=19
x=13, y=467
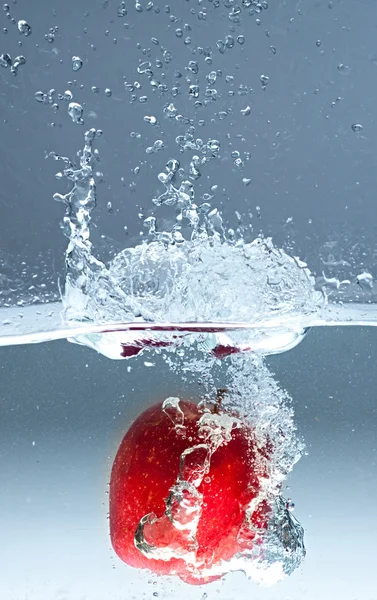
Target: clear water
x=194, y=305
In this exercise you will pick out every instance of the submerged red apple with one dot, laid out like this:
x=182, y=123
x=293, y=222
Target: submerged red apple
x=182, y=489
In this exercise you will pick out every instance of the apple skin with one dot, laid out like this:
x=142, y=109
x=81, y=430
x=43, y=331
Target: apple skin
x=146, y=468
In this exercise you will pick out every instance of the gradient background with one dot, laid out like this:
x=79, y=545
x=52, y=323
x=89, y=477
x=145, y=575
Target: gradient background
x=63, y=409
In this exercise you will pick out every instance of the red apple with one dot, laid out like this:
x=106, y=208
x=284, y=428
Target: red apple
x=181, y=489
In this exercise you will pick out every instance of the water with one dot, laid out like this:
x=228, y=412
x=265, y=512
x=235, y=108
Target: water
x=64, y=412
x=200, y=304
x=46, y=322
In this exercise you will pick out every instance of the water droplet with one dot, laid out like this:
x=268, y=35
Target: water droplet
x=229, y=41
x=5, y=60
x=343, y=68
x=76, y=63
x=67, y=95
x=122, y=11
x=40, y=96
x=144, y=67
x=193, y=67
x=290, y=505
x=357, y=127
x=194, y=91
x=365, y=280
x=150, y=222
x=171, y=408
x=75, y=111
x=170, y=110
x=211, y=77
x=24, y=27
x=158, y=145
x=152, y=120
x=194, y=172
x=19, y=60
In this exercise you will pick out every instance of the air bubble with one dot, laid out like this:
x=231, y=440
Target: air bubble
x=357, y=127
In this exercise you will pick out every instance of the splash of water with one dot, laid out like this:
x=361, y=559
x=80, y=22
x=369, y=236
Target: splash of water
x=199, y=271
x=269, y=540
x=202, y=277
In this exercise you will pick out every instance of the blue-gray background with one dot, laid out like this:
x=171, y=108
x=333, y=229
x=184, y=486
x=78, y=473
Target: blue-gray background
x=63, y=408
